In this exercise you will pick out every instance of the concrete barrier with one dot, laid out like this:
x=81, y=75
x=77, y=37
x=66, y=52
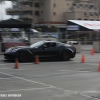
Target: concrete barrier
x=96, y=46
x=78, y=47
x=76, y=44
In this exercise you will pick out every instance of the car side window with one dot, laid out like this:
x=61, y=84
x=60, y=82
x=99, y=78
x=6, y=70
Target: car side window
x=47, y=45
x=53, y=44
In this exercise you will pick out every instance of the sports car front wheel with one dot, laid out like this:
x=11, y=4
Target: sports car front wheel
x=65, y=56
x=23, y=56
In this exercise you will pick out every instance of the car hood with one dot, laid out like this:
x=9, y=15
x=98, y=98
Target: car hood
x=14, y=49
x=68, y=45
x=21, y=47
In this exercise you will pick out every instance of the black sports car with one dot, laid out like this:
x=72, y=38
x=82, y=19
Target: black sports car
x=44, y=49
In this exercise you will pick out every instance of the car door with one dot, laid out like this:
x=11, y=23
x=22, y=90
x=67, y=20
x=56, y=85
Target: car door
x=41, y=51
x=38, y=51
x=50, y=49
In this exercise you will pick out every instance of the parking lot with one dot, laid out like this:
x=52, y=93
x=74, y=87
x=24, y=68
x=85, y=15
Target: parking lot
x=52, y=80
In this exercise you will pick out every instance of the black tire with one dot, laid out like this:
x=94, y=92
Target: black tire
x=23, y=56
x=65, y=56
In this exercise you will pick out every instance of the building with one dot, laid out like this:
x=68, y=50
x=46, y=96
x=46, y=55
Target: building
x=54, y=12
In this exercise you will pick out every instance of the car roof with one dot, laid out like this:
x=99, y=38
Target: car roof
x=54, y=42
x=51, y=41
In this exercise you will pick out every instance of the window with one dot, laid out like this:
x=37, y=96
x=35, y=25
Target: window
x=50, y=44
x=37, y=13
x=96, y=14
x=74, y=4
x=79, y=19
x=30, y=12
x=81, y=5
x=47, y=45
x=85, y=13
x=91, y=14
x=54, y=13
x=53, y=44
x=95, y=8
x=54, y=5
x=36, y=5
x=91, y=6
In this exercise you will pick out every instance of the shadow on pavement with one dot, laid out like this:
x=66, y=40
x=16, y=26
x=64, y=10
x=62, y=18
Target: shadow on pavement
x=40, y=60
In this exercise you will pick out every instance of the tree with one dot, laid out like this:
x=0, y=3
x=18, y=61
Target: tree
x=39, y=29
x=53, y=29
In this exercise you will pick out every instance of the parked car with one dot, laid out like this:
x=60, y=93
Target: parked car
x=44, y=49
x=72, y=42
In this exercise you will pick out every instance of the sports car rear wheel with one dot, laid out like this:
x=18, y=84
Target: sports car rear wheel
x=65, y=56
x=23, y=56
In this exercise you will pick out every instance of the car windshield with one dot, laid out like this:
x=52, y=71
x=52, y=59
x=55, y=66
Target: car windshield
x=37, y=44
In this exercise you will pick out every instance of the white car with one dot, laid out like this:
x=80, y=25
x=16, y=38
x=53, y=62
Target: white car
x=72, y=42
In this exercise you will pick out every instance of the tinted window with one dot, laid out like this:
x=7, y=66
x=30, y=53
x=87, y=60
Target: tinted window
x=53, y=44
x=47, y=44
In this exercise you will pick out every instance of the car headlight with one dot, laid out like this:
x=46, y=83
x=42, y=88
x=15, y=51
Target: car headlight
x=12, y=49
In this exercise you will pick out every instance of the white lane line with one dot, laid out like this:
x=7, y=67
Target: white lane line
x=51, y=86
x=26, y=79
x=89, y=96
x=91, y=92
x=12, y=69
x=73, y=70
x=26, y=89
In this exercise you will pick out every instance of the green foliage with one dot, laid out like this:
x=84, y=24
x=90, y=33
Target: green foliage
x=39, y=29
x=53, y=29
x=46, y=28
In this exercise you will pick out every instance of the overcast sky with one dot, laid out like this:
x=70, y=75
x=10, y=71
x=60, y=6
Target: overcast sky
x=3, y=7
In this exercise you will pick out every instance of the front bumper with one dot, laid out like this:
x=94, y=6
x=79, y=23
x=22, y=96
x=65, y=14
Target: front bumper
x=10, y=56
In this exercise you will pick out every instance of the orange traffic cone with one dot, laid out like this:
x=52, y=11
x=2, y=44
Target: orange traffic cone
x=36, y=60
x=83, y=58
x=92, y=51
x=99, y=67
x=16, y=64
